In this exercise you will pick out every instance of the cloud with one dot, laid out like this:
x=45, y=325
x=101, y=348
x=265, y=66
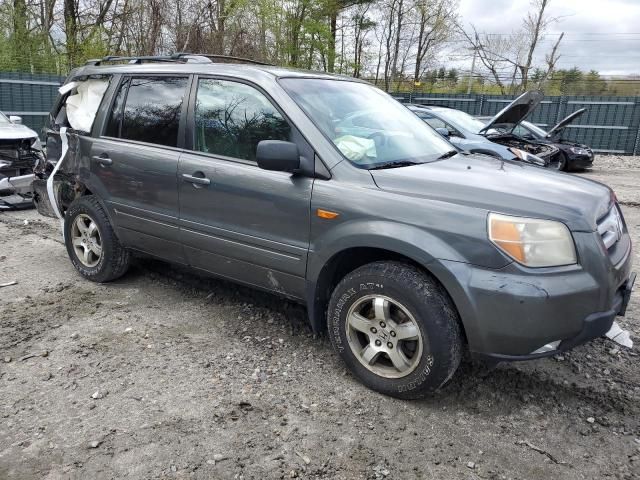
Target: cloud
x=598, y=35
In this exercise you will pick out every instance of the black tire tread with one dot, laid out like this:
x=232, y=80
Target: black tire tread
x=425, y=286
x=118, y=259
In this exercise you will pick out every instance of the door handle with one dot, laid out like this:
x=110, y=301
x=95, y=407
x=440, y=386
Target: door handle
x=196, y=180
x=104, y=161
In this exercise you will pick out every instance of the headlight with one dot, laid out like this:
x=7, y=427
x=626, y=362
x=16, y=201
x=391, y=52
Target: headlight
x=4, y=164
x=528, y=157
x=578, y=151
x=531, y=241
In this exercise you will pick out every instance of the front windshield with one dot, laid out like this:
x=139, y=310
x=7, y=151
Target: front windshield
x=461, y=120
x=3, y=118
x=535, y=129
x=367, y=126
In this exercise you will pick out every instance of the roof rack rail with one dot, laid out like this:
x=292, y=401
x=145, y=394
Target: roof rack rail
x=181, y=57
x=227, y=57
x=178, y=58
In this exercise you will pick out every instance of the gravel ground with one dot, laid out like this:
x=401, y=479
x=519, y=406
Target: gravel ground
x=164, y=374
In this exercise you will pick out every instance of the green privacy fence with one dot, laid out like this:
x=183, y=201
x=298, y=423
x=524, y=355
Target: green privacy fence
x=610, y=124
x=29, y=96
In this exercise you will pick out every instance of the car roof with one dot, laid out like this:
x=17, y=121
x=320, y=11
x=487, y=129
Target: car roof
x=430, y=108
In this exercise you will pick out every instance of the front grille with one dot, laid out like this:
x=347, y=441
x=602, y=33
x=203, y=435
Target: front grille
x=20, y=161
x=611, y=228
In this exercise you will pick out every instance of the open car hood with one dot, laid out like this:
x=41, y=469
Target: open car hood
x=561, y=125
x=510, y=116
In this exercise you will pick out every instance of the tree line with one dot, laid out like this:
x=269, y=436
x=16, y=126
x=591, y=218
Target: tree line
x=394, y=43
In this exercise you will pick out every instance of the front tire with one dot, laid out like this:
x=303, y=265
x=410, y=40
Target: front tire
x=91, y=242
x=562, y=162
x=396, y=329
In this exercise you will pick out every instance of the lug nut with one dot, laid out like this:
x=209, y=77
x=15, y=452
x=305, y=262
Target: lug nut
x=389, y=344
x=382, y=324
x=373, y=330
x=393, y=333
x=378, y=343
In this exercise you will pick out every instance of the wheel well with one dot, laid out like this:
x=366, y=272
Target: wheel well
x=335, y=270
x=69, y=191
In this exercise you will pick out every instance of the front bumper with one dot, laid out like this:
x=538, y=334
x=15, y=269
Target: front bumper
x=514, y=312
x=16, y=192
x=580, y=161
x=594, y=326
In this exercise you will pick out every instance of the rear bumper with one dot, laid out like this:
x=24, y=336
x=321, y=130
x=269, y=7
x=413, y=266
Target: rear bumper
x=41, y=198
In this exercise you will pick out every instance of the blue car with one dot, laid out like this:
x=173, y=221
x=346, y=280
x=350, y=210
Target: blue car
x=495, y=137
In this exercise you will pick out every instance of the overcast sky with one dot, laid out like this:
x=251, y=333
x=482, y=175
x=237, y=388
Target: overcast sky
x=599, y=34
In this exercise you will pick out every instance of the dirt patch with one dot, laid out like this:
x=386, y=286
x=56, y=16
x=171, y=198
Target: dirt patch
x=165, y=374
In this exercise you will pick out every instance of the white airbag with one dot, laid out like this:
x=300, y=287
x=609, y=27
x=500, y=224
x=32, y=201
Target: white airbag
x=83, y=105
x=355, y=148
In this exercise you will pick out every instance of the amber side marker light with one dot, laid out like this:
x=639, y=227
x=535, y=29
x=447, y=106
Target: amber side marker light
x=326, y=214
x=506, y=235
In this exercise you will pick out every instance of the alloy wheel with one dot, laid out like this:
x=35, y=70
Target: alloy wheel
x=86, y=241
x=384, y=336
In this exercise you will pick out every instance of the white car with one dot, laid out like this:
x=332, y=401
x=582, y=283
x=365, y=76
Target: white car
x=19, y=151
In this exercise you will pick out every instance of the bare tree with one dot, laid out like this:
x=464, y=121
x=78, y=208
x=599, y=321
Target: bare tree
x=511, y=58
x=362, y=25
x=435, y=20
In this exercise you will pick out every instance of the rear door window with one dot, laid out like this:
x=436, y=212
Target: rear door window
x=148, y=109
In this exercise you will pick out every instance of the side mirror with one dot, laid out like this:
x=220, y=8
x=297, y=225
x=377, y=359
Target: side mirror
x=15, y=119
x=278, y=155
x=443, y=131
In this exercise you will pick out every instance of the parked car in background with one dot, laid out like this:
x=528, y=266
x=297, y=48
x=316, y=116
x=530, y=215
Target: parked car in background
x=494, y=137
x=573, y=156
x=19, y=152
x=405, y=250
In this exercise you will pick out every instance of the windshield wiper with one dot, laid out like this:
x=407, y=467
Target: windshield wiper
x=448, y=154
x=395, y=164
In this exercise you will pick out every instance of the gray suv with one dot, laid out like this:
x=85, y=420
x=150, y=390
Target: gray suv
x=404, y=250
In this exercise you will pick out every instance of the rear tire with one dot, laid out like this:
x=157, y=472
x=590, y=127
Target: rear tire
x=396, y=329
x=91, y=242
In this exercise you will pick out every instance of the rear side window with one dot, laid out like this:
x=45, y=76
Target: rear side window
x=115, y=118
x=147, y=109
x=231, y=118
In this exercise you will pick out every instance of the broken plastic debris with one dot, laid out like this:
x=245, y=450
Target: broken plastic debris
x=620, y=336
x=67, y=87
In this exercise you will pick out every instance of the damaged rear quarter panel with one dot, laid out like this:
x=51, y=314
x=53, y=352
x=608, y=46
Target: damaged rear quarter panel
x=74, y=177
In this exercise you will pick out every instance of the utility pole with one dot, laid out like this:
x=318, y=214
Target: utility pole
x=473, y=67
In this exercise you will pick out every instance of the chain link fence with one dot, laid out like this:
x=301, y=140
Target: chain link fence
x=610, y=124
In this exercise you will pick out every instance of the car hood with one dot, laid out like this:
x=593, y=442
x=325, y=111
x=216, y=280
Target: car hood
x=513, y=188
x=510, y=116
x=562, y=124
x=12, y=131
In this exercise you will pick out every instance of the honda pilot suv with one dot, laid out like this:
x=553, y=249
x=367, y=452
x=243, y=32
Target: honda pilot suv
x=406, y=251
